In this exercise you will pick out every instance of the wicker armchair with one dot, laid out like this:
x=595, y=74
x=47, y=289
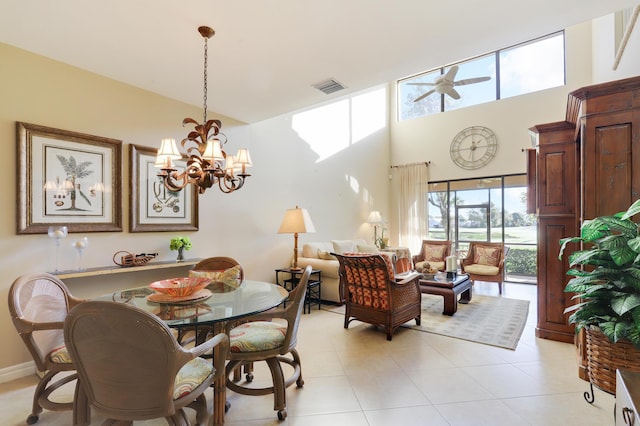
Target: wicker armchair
x=485, y=262
x=131, y=368
x=38, y=305
x=433, y=252
x=373, y=296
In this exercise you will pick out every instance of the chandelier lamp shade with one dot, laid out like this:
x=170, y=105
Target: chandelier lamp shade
x=296, y=221
x=207, y=162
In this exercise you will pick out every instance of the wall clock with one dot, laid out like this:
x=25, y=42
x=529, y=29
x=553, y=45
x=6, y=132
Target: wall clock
x=473, y=147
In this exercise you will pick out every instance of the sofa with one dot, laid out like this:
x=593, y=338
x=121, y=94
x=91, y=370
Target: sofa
x=318, y=256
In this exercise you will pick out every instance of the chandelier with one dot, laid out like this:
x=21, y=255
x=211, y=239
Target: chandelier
x=207, y=163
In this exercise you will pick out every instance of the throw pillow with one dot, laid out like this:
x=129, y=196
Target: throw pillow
x=343, y=246
x=486, y=256
x=434, y=253
x=367, y=248
x=325, y=255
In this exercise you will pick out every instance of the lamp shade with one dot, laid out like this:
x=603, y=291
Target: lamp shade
x=169, y=149
x=375, y=217
x=296, y=221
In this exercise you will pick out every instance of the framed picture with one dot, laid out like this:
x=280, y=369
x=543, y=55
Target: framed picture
x=67, y=178
x=154, y=207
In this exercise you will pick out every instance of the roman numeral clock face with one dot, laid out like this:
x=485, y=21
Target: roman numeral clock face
x=473, y=147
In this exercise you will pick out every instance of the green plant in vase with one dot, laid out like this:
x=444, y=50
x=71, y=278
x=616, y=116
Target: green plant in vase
x=181, y=244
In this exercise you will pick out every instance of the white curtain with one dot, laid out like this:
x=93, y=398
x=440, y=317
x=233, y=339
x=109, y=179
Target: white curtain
x=413, y=219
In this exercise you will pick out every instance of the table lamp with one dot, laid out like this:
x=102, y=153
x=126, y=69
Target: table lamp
x=375, y=218
x=296, y=221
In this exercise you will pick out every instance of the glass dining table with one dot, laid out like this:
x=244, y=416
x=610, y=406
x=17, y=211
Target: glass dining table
x=225, y=304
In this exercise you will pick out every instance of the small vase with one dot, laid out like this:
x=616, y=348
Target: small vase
x=180, y=255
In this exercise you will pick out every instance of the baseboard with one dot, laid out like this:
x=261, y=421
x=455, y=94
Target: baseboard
x=17, y=371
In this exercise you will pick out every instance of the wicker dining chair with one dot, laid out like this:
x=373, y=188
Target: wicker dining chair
x=38, y=305
x=130, y=367
x=261, y=339
x=373, y=296
x=208, y=268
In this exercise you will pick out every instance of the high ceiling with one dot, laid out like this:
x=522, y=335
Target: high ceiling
x=267, y=54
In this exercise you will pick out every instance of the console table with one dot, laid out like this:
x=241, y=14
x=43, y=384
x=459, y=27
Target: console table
x=106, y=270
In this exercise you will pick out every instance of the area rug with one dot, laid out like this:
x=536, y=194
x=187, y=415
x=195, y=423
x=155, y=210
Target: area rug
x=495, y=321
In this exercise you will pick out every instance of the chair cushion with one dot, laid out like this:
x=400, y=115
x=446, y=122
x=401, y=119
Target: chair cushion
x=483, y=255
x=60, y=355
x=229, y=276
x=257, y=336
x=434, y=253
x=481, y=269
x=190, y=376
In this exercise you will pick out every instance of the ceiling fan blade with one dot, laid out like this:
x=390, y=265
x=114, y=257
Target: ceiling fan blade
x=421, y=84
x=453, y=93
x=451, y=74
x=470, y=81
x=421, y=97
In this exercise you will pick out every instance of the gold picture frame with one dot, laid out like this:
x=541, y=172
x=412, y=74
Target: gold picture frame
x=67, y=178
x=153, y=207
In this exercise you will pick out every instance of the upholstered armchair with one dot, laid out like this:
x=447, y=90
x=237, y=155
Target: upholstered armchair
x=485, y=262
x=373, y=296
x=433, y=253
x=38, y=305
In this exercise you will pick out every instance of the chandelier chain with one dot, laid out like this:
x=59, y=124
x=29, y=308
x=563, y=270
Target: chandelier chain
x=206, y=59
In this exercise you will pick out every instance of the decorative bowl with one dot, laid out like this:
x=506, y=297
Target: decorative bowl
x=180, y=287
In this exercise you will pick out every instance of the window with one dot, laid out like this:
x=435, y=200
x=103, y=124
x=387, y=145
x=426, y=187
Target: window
x=525, y=68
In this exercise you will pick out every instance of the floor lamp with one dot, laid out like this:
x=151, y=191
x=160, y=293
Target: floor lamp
x=296, y=221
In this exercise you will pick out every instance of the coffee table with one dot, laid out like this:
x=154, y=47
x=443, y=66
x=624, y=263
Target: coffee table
x=449, y=289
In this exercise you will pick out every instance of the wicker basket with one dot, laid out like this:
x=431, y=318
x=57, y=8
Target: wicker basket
x=130, y=259
x=604, y=357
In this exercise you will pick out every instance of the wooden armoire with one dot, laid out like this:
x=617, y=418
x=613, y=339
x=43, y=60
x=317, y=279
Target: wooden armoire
x=585, y=166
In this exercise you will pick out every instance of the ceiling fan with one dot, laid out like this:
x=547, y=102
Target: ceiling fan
x=445, y=84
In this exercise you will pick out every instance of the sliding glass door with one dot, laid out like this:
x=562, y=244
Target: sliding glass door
x=487, y=209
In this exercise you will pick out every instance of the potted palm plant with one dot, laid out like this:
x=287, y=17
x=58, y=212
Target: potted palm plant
x=606, y=283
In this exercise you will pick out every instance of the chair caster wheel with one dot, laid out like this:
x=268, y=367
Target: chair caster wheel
x=32, y=419
x=300, y=383
x=249, y=377
x=282, y=414
x=227, y=405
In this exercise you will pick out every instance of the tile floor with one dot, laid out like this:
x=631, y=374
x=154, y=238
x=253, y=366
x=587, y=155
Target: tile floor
x=356, y=377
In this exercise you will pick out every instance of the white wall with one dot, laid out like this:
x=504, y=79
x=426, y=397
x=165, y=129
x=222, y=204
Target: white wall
x=338, y=191
x=604, y=52
x=429, y=138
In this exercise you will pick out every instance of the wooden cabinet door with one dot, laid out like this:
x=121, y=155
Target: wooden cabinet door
x=557, y=181
x=552, y=278
x=611, y=150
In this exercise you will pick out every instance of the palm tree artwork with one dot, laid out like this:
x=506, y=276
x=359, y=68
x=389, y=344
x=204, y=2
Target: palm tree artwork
x=75, y=172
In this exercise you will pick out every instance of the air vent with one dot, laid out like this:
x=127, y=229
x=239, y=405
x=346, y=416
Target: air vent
x=329, y=86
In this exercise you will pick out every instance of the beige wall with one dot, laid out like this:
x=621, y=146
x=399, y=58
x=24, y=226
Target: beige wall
x=242, y=225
